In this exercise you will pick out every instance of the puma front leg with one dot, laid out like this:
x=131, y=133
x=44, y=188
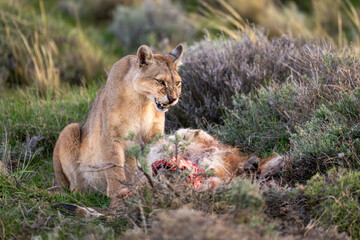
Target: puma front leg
x=114, y=152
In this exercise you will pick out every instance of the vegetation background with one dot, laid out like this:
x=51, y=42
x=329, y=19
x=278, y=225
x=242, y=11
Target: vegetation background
x=263, y=75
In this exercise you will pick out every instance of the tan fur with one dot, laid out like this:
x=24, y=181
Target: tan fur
x=137, y=93
x=205, y=151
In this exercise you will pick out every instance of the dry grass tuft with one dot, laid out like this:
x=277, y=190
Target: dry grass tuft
x=339, y=24
x=42, y=52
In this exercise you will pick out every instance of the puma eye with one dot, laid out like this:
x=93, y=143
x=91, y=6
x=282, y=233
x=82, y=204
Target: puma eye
x=160, y=82
x=178, y=84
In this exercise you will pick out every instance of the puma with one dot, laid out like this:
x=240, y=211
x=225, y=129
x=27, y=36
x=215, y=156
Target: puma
x=137, y=93
x=205, y=152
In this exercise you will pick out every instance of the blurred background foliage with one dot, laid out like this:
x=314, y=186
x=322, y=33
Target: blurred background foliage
x=46, y=44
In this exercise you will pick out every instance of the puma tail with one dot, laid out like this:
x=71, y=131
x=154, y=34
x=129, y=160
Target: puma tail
x=66, y=152
x=83, y=212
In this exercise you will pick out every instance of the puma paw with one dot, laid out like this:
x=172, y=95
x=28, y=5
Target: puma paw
x=121, y=195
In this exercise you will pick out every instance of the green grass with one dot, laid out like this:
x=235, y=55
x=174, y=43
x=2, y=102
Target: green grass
x=26, y=207
x=26, y=198
x=25, y=114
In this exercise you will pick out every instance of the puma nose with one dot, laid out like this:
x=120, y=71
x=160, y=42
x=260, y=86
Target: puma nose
x=171, y=99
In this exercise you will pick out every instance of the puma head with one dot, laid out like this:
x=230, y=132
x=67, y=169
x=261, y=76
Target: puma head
x=158, y=77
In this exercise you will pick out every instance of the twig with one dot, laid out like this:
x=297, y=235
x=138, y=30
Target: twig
x=132, y=222
x=143, y=216
x=22, y=212
x=147, y=177
x=3, y=229
x=234, y=174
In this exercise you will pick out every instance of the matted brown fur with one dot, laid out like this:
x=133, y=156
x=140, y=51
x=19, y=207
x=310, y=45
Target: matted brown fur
x=138, y=92
x=207, y=153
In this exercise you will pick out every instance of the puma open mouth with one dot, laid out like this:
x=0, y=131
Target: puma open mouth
x=161, y=106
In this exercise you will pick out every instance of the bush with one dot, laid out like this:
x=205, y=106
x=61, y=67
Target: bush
x=307, y=103
x=279, y=118
x=170, y=190
x=334, y=199
x=331, y=137
x=261, y=123
x=158, y=24
x=191, y=224
x=246, y=196
x=215, y=70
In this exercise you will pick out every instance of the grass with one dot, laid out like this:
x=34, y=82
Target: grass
x=43, y=116
x=27, y=198
x=27, y=207
x=38, y=48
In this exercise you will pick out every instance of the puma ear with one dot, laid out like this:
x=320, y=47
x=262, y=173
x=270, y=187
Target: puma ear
x=145, y=55
x=176, y=54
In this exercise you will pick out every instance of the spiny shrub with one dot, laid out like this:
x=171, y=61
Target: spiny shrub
x=215, y=70
x=245, y=195
x=268, y=120
x=262, y=122
x=334, y=199
x=331, y=137
x=154, y=23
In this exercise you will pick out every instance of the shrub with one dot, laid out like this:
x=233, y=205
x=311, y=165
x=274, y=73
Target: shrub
x=331, y=137
x=279, y=118
x=215, y=70
x=169, y=190
x=154, y=23
x=262, y=122
x=246, y=196
x=190, y=224
x=307, y=103
x=334, y=199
